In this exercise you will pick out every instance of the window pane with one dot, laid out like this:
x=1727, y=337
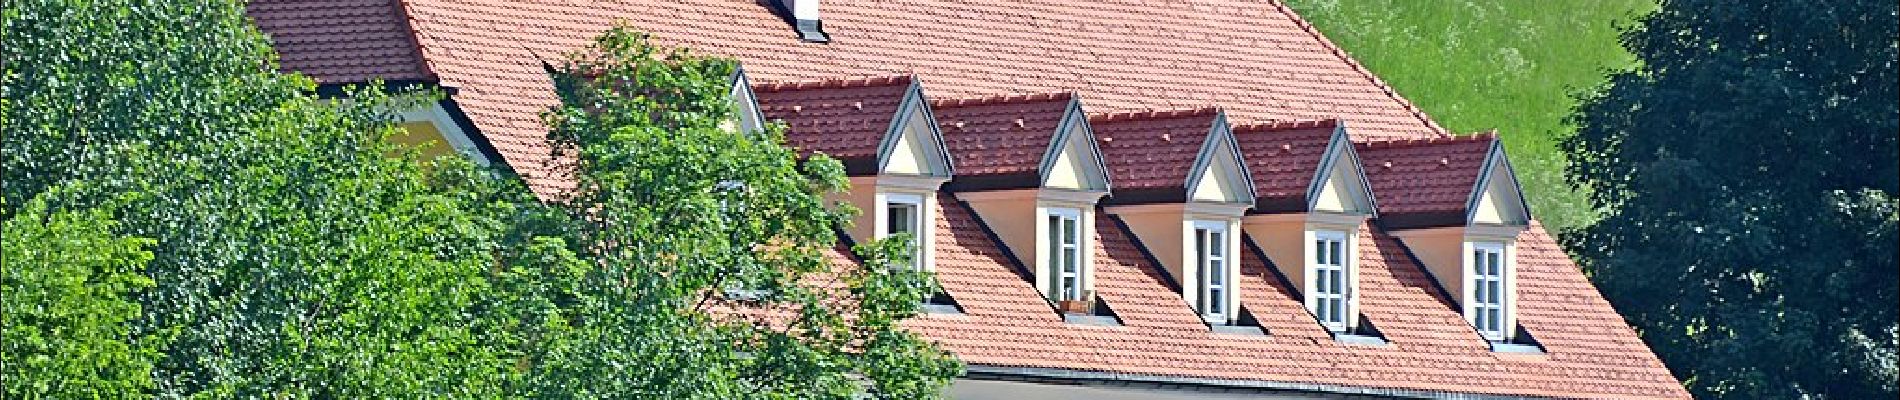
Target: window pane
x=1337, y=285
x=1491, y=261
x=1215, y=243
x=1324, y=309
x=1068, y=288
x=1493, y=288
x=1055, y=252
x=1214, y=305
x=1319, y=251
x=898, y=218
x=1492, y=321
x=1337, y=315
x=1068, y=231
x=1337, y=255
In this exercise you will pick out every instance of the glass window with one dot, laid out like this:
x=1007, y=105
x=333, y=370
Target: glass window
x=1211, y=255
x=1487, y=286
x=1065, y=253
x=1331, y=285
x=903, y=214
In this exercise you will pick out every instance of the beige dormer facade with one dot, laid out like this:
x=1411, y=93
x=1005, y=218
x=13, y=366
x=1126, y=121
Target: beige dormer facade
x=433, y=132
x=1315, y=245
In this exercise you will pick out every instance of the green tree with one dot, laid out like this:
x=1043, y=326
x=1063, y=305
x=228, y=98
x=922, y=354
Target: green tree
x=68, y=300
x=1749, y=169
x=290, y=257
x=680, y=212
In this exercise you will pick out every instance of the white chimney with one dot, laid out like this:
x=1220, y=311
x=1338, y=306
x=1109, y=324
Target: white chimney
x=804, y=17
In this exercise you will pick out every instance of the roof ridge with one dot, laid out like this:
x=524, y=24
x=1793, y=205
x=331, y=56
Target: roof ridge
x=1486, y=136
x=835, y=83
x=1002, y=99
x=1337, y=51
x=1153, y=114
x=1281, y=125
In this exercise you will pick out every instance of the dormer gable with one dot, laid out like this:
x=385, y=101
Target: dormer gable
x=1218, y=175
x=745, y=104
x=875, y=126
x=1498, y=199
x=1073, y=161
x=913, y=145
x=1340, y=185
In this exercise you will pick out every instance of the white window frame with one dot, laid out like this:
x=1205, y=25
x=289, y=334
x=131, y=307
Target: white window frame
x=1065, y=283
x=916, y=221
x=1212, y=255
x=1330, y=269
x=1488, y=304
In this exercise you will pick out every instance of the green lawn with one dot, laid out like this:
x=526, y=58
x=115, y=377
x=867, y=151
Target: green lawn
x=1510, y=65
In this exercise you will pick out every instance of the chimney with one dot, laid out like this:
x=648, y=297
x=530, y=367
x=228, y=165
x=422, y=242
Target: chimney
x=803, y=14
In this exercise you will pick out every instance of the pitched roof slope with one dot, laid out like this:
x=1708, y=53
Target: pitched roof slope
x=341, y=40
x=1000, y=136
x=843, y=118
x=1256, y=59
x=1284, y=158
x=1006, y=323
x=1424, y=181
x=1152, y=151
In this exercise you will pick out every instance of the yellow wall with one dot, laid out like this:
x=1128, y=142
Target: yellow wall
x=425, y=138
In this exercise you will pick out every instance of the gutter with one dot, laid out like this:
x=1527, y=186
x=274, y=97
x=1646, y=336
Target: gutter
x=1263, y=387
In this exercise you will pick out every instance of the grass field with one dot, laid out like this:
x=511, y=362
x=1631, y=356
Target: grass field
x=1510, y=65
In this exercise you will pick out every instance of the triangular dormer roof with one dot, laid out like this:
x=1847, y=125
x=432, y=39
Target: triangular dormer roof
x=1304, y=166
x=1442, y=182
x=746, y=103
x=1162, y=156
x=864, y=123
x=1021, y=142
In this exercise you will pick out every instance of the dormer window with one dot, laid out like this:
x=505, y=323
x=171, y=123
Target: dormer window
x=1488, y=290
x=1183, y=188
x=1212, y=254
x=433, y=133
x=1314, y=203
x=904, y=215
x=1065, y=254
x=1464, y=240
x=1331, y=286
x=883, y=132
x=1028, y=165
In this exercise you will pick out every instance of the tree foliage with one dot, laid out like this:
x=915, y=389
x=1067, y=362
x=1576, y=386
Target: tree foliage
x=291, y=256
x=67, y=327
x=1749, y=168
x=678, y=210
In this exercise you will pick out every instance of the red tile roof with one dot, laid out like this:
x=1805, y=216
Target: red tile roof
x=1424, y=182
x=1284, y=157
x=1590, y=352
x=342, y=40
x=1001, y=136
x=844, y=118
x=1256, y=59
x=1152, y=152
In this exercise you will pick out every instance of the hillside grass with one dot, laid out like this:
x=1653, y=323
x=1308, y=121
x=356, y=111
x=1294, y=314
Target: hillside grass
x=1511, y=65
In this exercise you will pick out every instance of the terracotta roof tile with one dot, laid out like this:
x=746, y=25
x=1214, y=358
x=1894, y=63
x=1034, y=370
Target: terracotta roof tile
x=1591, y=352
x=844, y=118
x=1424, y=182
x=1284, y=157
x=1257, y=60
x=1152, y=150
x=341, y=40
x=1000, y=135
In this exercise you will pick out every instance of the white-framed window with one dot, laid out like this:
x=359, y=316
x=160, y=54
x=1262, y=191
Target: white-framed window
x=1211, y=255
x=1331, y=284
x=903, y=214
x=1487, y=290
x=1065, y=253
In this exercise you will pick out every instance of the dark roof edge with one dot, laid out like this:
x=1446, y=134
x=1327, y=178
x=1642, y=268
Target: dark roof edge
x=1058, y=375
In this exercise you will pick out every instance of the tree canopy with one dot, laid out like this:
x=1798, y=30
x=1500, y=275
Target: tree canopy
x=1748, y=168
x=217, y=230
